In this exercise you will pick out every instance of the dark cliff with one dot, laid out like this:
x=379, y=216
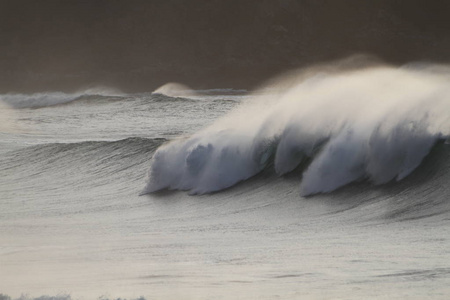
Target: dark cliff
x=138, y=45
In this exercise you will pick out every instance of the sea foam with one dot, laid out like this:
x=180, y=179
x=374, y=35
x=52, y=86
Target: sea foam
x=376, y=124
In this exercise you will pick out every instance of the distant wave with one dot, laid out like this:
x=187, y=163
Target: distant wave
x=174, y=89
x=37, y=100
x=375, y=124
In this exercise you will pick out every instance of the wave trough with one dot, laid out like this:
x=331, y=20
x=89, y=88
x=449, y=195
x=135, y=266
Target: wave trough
x=374, y=124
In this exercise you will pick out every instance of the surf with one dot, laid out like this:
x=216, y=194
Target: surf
x=372, y=124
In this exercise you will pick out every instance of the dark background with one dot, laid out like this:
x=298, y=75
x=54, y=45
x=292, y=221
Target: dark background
x=138, y=45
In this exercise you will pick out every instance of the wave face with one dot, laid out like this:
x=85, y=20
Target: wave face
x=61, y=172
x=375, y=124
x=86, y=156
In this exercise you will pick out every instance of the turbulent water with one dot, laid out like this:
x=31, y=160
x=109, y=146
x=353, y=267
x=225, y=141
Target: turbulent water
x=333, y=187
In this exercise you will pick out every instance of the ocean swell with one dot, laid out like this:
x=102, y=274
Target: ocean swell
x=38, y=100
x=374, y=124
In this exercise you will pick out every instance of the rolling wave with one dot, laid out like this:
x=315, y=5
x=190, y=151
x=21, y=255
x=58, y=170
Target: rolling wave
x=375, y=124
x=48, y=151
x=41, y=100
x=61, y=178
x=86, y=162
x=96, y=166
x=38, y=100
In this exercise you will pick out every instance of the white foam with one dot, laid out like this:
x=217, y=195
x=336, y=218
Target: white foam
x=377, y=124
x=174, y=89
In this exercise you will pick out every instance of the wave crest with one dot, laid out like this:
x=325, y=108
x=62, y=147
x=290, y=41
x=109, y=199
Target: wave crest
x=374, y=124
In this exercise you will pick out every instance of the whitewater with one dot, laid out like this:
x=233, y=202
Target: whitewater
x=330, y=183
x=376, y=124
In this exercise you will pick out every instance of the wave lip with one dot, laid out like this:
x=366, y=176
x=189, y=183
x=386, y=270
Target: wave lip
x=202, y=164
x=375, y=124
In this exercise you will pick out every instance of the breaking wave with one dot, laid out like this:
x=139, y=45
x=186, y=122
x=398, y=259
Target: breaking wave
x=375, y=124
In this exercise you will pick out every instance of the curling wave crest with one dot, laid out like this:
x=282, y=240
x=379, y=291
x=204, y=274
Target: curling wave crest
x=375, y=124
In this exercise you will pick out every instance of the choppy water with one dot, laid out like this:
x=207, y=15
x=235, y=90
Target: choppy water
x=73, y=223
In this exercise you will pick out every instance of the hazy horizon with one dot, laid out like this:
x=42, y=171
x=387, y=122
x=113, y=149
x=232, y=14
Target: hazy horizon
x=140, y=45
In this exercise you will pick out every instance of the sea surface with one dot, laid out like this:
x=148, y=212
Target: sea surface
x=336, y=187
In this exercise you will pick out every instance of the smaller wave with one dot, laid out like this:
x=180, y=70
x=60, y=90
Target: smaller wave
x=84, y=165
x=45, y=99
x=173, y=89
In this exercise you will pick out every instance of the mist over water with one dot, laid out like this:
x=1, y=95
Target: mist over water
x=375, y=124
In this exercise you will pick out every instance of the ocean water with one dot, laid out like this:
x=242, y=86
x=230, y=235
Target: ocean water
x=334, y=187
